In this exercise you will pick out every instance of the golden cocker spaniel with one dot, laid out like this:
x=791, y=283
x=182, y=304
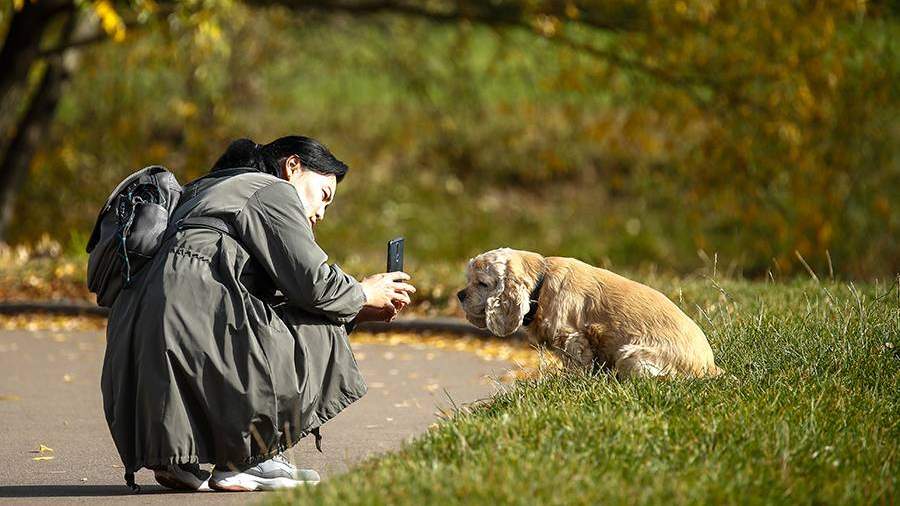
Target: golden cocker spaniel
x=590, y=317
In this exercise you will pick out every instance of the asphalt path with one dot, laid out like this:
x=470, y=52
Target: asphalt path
x=50, y=397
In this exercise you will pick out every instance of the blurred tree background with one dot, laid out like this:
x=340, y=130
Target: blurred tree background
x=631, y=134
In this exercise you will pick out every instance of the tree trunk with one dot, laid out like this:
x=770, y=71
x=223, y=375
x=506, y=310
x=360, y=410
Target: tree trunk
x=22, y=44
x=33, y=126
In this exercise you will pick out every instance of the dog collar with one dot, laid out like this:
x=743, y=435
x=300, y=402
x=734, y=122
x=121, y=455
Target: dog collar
x=533, y=302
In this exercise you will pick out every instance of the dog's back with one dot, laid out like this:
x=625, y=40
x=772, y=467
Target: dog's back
x=632, y=323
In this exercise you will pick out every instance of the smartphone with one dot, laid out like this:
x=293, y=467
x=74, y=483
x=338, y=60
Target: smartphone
x=395, y=255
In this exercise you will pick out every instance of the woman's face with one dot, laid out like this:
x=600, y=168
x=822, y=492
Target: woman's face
x=316, y=190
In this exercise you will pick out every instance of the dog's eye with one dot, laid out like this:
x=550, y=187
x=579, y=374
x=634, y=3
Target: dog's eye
x=482, y=284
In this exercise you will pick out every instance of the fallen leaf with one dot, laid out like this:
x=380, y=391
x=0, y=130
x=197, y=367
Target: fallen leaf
x=42, y=449
x=43, y=457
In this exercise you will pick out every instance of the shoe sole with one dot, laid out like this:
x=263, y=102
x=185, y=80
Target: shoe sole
x=168, y=480
x=253, y=484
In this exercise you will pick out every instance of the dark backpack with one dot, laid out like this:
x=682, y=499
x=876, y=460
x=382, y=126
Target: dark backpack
x=129, y=230
x=144, y=210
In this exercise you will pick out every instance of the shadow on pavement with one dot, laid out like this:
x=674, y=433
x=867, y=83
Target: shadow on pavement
x=80, y=490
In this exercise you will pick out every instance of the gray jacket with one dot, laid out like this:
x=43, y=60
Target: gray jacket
x=226, y=348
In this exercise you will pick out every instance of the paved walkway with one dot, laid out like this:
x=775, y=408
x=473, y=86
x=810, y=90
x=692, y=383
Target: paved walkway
x=49, y=395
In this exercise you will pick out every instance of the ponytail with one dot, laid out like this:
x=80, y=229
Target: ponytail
x=269, y=158
x=243, y=153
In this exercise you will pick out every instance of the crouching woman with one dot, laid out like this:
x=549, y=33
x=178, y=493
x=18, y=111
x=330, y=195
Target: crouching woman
x=231, y=345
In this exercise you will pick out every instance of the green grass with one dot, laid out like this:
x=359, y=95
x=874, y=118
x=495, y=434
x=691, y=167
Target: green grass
x=807, y=414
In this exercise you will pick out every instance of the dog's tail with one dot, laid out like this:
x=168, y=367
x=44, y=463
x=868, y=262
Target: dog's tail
x=718, y=372
x=715, y=371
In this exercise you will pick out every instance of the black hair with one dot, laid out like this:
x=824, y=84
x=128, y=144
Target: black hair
x=269, y=158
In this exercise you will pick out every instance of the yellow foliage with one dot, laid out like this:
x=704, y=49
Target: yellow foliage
x=528, y=360
x=110, y=20
x=546, y=25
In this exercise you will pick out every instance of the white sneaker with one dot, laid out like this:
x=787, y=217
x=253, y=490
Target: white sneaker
x=273, y=474
x=183, y=477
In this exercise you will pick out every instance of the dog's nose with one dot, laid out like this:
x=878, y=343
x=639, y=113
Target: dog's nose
x=461, y=295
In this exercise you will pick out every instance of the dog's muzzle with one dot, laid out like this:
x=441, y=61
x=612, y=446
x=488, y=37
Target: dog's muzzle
x=461, y=295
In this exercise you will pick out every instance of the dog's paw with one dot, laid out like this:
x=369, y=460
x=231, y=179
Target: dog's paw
x=576, y=351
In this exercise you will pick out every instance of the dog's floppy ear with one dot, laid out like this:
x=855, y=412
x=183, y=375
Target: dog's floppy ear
x=505, y=309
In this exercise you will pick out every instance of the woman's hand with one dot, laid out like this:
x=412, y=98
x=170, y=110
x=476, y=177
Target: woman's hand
x=386, y=295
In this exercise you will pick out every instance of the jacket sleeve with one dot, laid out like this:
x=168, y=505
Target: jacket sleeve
x=274, y=229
